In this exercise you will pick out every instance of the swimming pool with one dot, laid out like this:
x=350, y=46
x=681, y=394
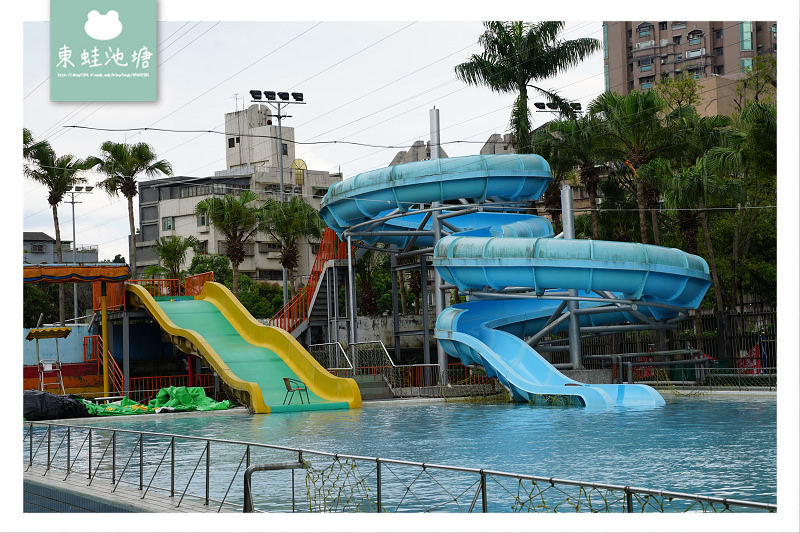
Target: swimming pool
x=724, y=448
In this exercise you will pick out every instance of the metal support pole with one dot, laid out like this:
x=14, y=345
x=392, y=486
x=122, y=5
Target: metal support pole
x=395, y=306
x=104, y=331
x=438, y=293
x=351, y=275
x=568, y=223
x=423, y=274
x=126, y=357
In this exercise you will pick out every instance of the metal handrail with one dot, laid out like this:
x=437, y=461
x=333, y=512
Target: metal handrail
x=628, y=490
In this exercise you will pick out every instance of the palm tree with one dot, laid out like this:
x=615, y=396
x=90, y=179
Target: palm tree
x=286, y=223
x=171, y=253
x=58, y=174
x=747, y=153
x=123, y=163
x=633, y=133
x=574, y=144
x=517, y=53
x=237, y=220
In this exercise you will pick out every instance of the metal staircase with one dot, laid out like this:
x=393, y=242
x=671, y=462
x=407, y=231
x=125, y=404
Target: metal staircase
x=311, y=303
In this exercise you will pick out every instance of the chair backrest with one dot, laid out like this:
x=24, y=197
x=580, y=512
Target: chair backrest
x=287, y=383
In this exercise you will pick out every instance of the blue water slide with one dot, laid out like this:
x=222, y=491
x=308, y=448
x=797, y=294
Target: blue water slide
x=512, y=251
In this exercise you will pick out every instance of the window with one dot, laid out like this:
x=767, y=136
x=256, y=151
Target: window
x=605, y=41
x=202, y=219
x=678, y=25
x=37, y=248
x=662, y=26
x=746, y=64
x=646, y=68
x=746, y=35
x=719, y=70
x=676, y=39
x=695, y=36
x=168, y=223
x=231, y=142
x=697, y=52
x=202, y=248
x=249, y=249
x=717, y=34
x=719, y=51
x=285, y=148
x=270, y=275
x=646, y=61
x=268, y=247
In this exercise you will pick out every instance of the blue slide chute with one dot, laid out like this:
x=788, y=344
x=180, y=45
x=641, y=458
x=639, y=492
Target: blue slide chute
x=490, y=250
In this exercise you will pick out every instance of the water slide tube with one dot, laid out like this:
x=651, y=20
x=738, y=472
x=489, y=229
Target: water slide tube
x=494, y=250
x=250, y=358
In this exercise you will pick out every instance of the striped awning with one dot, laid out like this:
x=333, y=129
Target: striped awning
x=48, y=333
x=76, y=273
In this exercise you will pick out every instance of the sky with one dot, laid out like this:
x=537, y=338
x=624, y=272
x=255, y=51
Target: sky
x=368, y=86
x=369, y=74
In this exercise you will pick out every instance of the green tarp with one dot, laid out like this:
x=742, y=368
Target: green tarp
x=170, y=399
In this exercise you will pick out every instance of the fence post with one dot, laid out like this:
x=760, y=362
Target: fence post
x=484, y=499
x=90, y=453
x=208, y=467
x=141, y=461
x=378, y=482
x=172, y=469
x=628, y=501
x=722, y=336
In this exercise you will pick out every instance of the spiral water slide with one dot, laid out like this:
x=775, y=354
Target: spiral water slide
x=514, y=269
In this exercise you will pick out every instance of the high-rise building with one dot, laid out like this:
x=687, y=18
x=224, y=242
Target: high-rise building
x=640, y=53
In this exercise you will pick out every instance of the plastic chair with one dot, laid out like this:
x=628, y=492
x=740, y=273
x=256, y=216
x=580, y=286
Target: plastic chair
x=294, y=385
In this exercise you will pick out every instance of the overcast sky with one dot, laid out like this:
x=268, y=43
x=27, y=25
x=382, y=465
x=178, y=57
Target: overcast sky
x=369, y=87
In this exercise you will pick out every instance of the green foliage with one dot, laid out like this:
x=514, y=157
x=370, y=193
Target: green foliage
x=218, y=264
x=516, y=53
x=38, y=298
x=261, y=298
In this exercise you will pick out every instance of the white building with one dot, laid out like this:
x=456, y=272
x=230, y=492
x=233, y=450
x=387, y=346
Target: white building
x=166, y=206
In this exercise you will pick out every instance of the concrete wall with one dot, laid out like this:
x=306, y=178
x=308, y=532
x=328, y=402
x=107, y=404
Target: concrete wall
x=381, y=328
x=70, y=349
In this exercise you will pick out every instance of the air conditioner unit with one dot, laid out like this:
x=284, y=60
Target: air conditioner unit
x=664, y=42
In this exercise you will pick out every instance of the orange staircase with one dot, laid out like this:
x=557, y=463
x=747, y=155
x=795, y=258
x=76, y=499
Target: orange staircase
x=295, y=312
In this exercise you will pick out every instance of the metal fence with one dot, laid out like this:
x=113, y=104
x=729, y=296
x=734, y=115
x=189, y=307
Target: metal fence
x=229, y=475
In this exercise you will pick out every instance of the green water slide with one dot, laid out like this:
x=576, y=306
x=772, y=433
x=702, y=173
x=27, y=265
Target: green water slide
x=250, y=358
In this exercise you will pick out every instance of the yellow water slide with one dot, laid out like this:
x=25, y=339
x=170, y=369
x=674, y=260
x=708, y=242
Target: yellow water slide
x=250, y=358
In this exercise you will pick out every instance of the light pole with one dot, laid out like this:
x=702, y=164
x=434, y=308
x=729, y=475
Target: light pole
x=283, y=99
x=72, y=192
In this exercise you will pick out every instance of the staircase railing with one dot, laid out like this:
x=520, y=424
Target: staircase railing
x=295, y=312
x=115, y=292
x=92, y=351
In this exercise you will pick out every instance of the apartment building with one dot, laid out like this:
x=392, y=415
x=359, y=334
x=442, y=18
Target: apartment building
x=252, y=142
x=40, y=248
x=639, y=53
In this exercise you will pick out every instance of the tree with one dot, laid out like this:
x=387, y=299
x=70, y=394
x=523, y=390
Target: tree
x=517, y=53
x=681, y=91
x=574, y=145
x=748, y=153
x=238, y=220
x=633, y=134
x=122, y=164
x=58, y=174
x=218, y=264
x=171, y=253
x=286, y=223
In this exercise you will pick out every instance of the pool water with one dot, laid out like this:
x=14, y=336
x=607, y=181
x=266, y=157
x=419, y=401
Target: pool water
x=714, y=447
